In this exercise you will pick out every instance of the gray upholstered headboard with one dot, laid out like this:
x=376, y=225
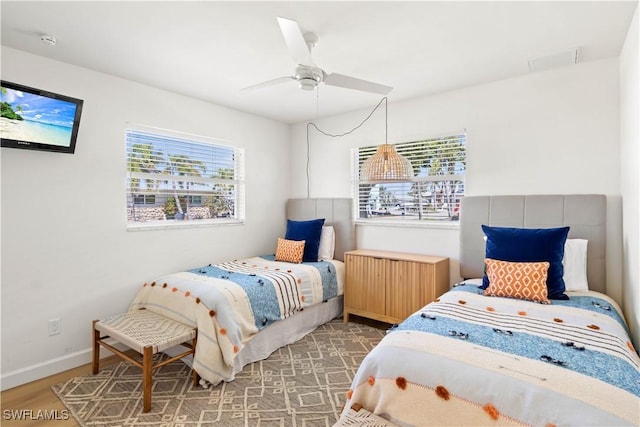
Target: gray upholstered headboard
x=585, y=214
x=336, y=212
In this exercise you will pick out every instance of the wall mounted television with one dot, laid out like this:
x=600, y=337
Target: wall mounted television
x=36, y=119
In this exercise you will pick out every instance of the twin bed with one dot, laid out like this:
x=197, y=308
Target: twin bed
x=473, y=357
x=246, y=309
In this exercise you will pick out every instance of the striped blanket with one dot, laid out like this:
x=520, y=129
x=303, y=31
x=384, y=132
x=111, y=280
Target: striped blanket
x=232, y=301
x=468, y=359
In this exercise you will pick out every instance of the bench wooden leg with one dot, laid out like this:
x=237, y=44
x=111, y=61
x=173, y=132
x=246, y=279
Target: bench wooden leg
x=96, y=349
x=147, y=371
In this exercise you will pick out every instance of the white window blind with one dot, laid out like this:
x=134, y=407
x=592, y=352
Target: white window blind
x=432, y=194
x=175, y=178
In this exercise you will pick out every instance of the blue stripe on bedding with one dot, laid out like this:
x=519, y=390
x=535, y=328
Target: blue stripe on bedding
x=328, y=273
x=618, y=371
x=262, y=296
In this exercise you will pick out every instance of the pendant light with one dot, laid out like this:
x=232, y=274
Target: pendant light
x=386, y=164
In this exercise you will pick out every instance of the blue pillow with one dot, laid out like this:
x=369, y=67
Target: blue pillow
x=309, y=231
x=530, y=245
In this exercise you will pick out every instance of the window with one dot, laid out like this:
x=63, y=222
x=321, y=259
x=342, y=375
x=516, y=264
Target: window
x=175, y=178
x=195, y=200
x=144, y=199
x=432, y=195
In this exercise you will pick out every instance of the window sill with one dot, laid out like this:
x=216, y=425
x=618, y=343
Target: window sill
x=443, y=225
x=167, y=225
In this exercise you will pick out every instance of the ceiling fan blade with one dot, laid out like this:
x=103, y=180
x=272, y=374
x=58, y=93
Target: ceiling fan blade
x=298, y=48
x=335, y=79
x=268, y=83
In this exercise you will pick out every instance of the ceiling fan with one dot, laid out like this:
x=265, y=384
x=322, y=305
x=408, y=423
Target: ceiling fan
x=307, y=74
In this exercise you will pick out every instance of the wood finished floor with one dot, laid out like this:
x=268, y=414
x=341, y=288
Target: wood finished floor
x=37, y=396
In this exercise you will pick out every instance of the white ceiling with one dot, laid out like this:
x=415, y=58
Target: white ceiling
x=210, y=50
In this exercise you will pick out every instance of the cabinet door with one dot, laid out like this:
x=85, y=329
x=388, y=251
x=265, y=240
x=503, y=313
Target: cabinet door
x=365, y=284
x=408, y=288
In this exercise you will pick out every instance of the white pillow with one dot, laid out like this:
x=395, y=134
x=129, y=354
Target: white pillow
x=327, y=243
x=575, y=265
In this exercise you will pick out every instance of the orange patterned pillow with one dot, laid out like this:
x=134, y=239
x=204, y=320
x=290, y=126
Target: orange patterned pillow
x=290, y=250
x=523, y=280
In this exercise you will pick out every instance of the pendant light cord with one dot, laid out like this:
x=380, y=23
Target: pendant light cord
x=309, y=124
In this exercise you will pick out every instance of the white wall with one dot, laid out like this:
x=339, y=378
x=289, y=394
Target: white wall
x=66, y=252
x=547, y=132
x=630, y=177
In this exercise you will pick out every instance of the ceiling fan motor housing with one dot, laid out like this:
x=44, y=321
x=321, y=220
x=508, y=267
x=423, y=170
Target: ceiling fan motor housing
x=308, y=77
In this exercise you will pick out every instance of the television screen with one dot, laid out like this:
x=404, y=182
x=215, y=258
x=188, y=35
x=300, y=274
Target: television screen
x=35, y=119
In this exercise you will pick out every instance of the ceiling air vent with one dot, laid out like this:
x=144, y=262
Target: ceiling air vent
x=560, y=59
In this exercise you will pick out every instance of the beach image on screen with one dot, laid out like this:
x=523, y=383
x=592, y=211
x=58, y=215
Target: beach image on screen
x=33, y=118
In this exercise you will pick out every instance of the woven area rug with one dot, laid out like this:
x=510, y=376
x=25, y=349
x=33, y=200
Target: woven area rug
x=303, y=384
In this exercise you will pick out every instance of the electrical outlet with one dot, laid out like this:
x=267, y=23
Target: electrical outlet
x=55, y=327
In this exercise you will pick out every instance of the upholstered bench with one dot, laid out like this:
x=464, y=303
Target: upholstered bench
x=147, y=333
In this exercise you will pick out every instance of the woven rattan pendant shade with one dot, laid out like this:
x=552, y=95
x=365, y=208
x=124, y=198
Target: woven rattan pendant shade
x=386, y=165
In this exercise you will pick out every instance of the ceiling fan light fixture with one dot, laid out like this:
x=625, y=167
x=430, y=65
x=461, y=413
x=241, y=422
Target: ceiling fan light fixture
x=308, y=77
x=308, y=84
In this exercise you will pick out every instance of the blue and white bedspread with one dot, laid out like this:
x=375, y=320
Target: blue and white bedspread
x=232, y=301
x=468, y=359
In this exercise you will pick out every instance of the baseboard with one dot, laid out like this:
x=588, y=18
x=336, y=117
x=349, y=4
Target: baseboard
x=41, y=370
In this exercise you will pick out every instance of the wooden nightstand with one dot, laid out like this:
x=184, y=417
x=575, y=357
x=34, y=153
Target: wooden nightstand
x=390, y=286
